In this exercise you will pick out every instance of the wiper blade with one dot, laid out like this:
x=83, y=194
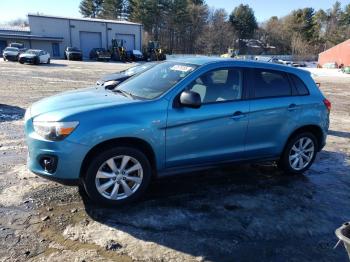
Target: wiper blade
x=124, y=93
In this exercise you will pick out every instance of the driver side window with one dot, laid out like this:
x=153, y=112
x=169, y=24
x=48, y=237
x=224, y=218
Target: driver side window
x=219, y=85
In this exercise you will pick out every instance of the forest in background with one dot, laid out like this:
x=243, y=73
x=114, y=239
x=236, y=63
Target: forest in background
x=192, y=27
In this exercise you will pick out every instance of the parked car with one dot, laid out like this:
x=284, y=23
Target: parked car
x=135, y=55
x=33, y=56
x=100, y=54
x=11, y=54
x=73, y=53
x=181, y=115
x=299, y=64
x=112, y=80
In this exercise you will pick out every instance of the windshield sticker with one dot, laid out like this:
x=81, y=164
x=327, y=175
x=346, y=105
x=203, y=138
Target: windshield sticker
x=181, y=68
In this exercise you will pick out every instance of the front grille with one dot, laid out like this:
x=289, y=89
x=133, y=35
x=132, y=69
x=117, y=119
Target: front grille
x=74, y=56
x=11, y=57
x=28, y=60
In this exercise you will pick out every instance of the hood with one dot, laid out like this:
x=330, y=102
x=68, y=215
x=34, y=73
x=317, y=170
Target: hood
x=10, y=52
x=77, y=101
x=74, y=52
x=28, y=55
x=111, y=77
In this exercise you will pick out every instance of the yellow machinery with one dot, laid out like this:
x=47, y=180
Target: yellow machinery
x=154, y=52
x=118, y=51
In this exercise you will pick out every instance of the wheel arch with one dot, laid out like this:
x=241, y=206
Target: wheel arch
x=137, y=143
x=314, y=129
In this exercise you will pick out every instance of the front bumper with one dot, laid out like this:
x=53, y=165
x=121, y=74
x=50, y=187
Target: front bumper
x=11, y=57
x=69, y=157
x=28, y=60
x=103, y=57
x=75, y=56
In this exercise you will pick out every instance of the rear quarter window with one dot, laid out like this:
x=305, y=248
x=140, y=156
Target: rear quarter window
x=299, y=85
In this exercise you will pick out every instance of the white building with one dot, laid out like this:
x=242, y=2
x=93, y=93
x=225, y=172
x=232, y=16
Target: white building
x=53, y=34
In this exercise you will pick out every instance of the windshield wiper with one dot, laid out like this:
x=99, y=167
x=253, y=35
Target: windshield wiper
x=124, y=93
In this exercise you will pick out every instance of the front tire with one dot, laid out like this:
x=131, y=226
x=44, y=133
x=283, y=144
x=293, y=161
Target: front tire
x=299, y=153
x=48, y=61
x=117, y=176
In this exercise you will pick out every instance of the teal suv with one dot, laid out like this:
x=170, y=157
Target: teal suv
x=175, y=117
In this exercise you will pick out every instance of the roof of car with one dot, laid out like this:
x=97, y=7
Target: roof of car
x=202, y=60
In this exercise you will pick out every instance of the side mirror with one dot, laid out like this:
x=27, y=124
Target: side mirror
x=190, y=99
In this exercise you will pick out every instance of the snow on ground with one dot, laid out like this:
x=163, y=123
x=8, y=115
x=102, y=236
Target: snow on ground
x=325, y=72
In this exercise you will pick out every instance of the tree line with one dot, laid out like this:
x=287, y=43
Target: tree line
x=192, y=27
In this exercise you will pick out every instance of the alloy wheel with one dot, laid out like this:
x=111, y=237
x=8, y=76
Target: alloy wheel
x=119, y=177
x=301, y=153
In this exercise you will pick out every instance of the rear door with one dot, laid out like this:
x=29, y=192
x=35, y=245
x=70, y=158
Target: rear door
x=274, y=112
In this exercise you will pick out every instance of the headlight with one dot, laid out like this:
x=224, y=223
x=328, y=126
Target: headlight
x=110, y=84
x=54, y=131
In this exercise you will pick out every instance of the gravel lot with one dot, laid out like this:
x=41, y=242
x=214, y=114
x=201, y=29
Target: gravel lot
x=241, y=213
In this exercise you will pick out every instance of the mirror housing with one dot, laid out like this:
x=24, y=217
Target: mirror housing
x=190, y=99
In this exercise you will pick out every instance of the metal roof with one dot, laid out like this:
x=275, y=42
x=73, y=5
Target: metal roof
x=14, y=28
x=87, y=19
x=30, y=37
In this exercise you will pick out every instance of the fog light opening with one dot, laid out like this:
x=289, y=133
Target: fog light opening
x=49, y=163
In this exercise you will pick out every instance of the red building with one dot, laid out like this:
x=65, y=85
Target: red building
x=339, y=54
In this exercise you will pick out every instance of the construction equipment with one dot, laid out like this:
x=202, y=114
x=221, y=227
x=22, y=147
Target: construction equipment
x=118, y=51
x=231, y=53
x=154, y=52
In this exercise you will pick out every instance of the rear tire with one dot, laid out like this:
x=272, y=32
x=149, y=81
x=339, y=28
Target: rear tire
x=48, y=61
x=110, y=179
x=299, y=153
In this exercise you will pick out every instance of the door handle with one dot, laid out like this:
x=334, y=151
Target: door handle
x=238, y=115
x=292, y=107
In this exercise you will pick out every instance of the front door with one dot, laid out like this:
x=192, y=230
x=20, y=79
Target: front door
x=214, y=132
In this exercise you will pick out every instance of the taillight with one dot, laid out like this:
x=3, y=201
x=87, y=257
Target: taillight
x=328, y=104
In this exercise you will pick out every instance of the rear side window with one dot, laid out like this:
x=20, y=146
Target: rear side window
x=269, y=83
x=299, y=85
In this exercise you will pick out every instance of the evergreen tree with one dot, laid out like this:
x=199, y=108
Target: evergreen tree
x=113, y=9
x=90, y=8
x=243, y=21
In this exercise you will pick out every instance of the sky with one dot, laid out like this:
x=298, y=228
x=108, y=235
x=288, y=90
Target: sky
x=264, y=9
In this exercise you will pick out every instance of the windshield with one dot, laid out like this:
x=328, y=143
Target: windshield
x=138, y=69
x=13, y=49
x=34, y=52
x=156, y=80
x=73, y=49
